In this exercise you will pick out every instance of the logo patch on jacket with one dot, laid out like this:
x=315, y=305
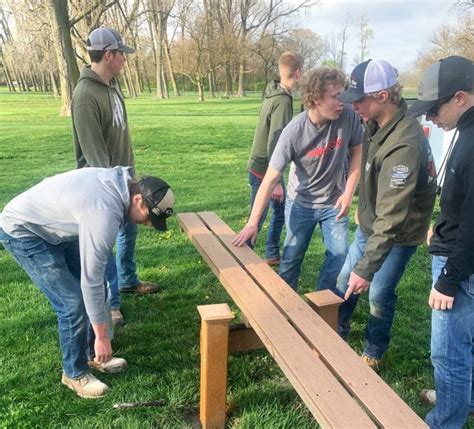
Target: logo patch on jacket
x=399, y=176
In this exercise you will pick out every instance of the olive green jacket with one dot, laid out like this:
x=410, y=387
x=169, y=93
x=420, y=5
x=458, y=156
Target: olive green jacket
x=397, y=189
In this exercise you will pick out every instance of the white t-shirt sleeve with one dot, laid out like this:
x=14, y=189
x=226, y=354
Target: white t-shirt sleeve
x=97, y=235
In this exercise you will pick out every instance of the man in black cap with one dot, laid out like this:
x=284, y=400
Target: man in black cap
x=446, y=96
x=396, y=196
x=102, y=139
x=64, y=243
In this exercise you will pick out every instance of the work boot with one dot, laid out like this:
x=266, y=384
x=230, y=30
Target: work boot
x=117, y=317
x=113, y=366
x=141, y=288
x=372, y=362
x=428, y=397
x=86, y=386
x=274, y=262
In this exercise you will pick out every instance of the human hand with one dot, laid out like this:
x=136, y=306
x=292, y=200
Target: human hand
x=277, y=193
x=248, y=232
x=343, y=203
x=440, y=301
x=429, y=236
x=357, y=284
x=103, y=350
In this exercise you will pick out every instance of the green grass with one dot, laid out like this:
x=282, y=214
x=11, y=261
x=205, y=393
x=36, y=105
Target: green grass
x=201, y=150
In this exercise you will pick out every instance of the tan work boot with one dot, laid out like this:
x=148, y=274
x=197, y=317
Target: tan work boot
x=113, y=366
x=142, y=288
x=372, y=362
x=117, y=317
x=428, y=396
x=86, y=386
x=275, y=262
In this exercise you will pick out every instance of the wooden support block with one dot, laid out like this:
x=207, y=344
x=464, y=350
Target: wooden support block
x=326, y=303
x=242, y=338
x=215, y=321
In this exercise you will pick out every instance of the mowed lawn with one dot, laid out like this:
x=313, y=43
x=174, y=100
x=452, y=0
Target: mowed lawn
x=201, y=150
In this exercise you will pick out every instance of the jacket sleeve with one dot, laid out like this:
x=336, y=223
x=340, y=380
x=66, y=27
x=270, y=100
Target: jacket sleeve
x=395, y=190
x=86, y=119
x=280, y=116
x=459, y=264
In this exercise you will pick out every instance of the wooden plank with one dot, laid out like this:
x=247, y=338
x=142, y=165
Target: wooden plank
x=327, y=400
x=242, y=338
x=214, y=340
x=378, y=398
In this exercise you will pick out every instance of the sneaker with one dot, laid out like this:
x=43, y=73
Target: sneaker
x=428, y=397
x=372, y=362
x=86, y=386
x=142, y=288
x=113, y=366
x=274, y=262
x=117, y=317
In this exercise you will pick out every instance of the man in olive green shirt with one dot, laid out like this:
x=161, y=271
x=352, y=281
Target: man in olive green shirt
x=102, y=139
x=275, y=113
x=396, y=199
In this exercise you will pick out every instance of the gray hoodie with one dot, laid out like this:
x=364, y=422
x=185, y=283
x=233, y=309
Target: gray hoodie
x=86, y=205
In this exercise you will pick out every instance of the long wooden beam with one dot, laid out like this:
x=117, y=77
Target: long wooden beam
x=388, y=409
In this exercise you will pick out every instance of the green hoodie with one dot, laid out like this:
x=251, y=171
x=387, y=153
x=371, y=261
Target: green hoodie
x=397, y=189
x=100, y=125
x=275, y=113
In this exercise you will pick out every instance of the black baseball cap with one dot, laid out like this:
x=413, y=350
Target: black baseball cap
x=159, y=199
x=368, y=77
x=442, y=80
x=107, y=39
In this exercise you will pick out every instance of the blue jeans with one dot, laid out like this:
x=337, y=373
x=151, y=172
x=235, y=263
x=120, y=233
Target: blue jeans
x=56, y=270
x=452, y=339
x=277, y=218
x=382, y=295
x=300, y=225
x=121, y=271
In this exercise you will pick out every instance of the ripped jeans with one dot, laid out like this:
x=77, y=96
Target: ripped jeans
x=300, y=224
x=382, y=295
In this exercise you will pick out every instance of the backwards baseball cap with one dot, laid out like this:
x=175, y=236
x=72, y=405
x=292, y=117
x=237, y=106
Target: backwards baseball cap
x=442, y=80
x=107, y=39
x=369, y=76
x=159, y=199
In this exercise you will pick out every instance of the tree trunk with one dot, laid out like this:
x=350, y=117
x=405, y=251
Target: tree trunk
x=212, y=83
x=200, y=88
x=66, y=59
x=228, y=80
x=165, y=83
x=170, y=67
x=241, y=91
x=54, y=84
x=11, y=86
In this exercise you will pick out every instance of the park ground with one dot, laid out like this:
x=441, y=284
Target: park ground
x=201, y=149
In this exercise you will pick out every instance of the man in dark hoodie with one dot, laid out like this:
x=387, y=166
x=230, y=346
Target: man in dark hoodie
x=102, y=139
x=446, y=95
x=275, y=113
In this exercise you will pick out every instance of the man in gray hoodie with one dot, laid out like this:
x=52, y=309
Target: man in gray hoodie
x=61, y=232
x=102, y=139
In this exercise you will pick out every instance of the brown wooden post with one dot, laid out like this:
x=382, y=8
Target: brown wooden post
x=326, y=303
x=215, y=321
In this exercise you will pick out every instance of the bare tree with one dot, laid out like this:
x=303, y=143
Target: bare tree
x=364, y=35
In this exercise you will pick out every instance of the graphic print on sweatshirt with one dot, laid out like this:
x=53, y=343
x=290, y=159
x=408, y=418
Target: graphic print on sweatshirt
x=118, y=119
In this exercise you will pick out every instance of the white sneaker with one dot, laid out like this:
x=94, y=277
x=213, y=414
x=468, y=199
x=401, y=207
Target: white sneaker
x=86, y=386
x=113, y=366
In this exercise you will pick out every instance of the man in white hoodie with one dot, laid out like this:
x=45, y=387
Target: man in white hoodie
x=61, y=232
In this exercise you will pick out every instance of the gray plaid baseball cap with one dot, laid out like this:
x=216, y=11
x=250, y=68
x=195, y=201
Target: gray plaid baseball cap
x=107, y=39
x=442, y=80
